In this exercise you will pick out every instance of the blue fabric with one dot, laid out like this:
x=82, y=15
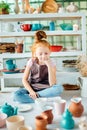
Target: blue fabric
x=22, y=95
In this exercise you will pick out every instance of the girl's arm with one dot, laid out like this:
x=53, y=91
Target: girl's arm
x=51, y=72
x=26, y=84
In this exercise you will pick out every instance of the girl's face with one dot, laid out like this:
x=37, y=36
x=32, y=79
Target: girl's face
x=42, y=53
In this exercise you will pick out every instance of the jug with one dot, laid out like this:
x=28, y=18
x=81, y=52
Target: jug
x=82, y=81
x=76, y=107
x=9, y=110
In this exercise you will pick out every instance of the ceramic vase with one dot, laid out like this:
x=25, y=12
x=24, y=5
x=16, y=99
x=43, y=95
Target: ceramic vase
x=76, y=108
x=16, y=7
x=67, y=121
x=49, y=115
x=41, y=122
x=72, y=7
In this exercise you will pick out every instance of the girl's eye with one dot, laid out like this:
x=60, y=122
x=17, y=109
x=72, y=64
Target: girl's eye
x=46, y=53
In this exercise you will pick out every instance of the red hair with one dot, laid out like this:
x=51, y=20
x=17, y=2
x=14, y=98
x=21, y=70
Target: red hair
x=40, y=40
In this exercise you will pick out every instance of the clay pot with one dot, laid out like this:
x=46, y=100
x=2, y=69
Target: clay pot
x=19, y=48
x=76, y=108
x=49, y=115
x=41, y=122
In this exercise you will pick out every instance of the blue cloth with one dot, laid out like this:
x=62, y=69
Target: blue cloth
x=22, y=95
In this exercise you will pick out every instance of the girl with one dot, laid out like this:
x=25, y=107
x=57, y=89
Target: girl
x=39, y=77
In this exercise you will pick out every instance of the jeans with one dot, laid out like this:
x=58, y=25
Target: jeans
x=22, y=95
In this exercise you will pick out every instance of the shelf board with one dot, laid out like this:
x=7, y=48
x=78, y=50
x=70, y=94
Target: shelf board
x=15, y=75
x=41, y=16
x=53, y=54
x=49, y=33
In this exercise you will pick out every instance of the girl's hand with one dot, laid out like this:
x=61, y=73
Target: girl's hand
x=33, y=95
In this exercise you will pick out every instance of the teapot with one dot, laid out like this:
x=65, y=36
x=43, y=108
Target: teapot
x=9, y=110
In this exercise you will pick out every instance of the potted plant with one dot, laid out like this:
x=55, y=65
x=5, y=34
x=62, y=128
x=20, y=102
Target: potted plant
x=4, y=8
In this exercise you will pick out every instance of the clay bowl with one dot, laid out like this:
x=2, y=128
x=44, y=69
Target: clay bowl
x=3, y=117
x=56, y=48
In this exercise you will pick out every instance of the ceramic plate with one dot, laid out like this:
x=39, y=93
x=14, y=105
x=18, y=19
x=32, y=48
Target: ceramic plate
x=24, y=107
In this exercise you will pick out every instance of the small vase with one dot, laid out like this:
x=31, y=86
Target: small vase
x=41, y=123
x=16, y=7
x=72, y=7
x=76, y=108
x=49, y=115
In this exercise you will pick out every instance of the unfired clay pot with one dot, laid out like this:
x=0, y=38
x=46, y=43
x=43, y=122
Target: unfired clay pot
x=49, y=115
x=76, y=108
x=41, y=122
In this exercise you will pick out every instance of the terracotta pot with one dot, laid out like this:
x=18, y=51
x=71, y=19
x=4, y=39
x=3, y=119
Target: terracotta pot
x=41, y=122
x=76, y=108
x=49, y=115
x=19, y=48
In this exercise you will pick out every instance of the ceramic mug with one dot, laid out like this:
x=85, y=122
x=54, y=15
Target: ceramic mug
x=59, y=106
x=24, y=127
x=3, y=117
x=26, y=27
x=13, y=122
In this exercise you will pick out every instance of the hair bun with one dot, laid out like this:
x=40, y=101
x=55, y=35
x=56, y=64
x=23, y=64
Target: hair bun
x=40, y=35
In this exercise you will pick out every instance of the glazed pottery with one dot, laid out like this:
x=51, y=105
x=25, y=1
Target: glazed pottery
x=3, y=117
x=14, y=122
x=75, y=107
x=19, y=48
x=67, y=121
x=59, y=106
x=9, y=65
x=72, y=7
x=52, y=26
x=8, y=109
x=36, y=26
x=26, y=27
x=16, y=7
x=48, y=113
x=82, y=81
x=41, y=122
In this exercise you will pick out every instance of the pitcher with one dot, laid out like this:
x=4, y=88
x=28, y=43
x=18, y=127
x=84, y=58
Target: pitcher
x=82, y=81
x=76, y=107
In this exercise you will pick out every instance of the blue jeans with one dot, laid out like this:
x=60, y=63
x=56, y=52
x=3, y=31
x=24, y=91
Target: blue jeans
x=22, y=95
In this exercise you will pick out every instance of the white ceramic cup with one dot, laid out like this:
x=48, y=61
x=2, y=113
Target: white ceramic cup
x=59, y=106
x=75, y=27
x=24, y=128
x=13, y=122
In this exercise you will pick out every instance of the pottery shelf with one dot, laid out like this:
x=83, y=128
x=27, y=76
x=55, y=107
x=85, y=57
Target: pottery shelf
x=49, y=33
x=80, y=34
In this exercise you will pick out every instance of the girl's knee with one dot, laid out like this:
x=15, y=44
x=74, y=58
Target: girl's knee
x=58, y=88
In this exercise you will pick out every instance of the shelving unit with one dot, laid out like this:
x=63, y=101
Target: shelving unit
x=80, y=34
